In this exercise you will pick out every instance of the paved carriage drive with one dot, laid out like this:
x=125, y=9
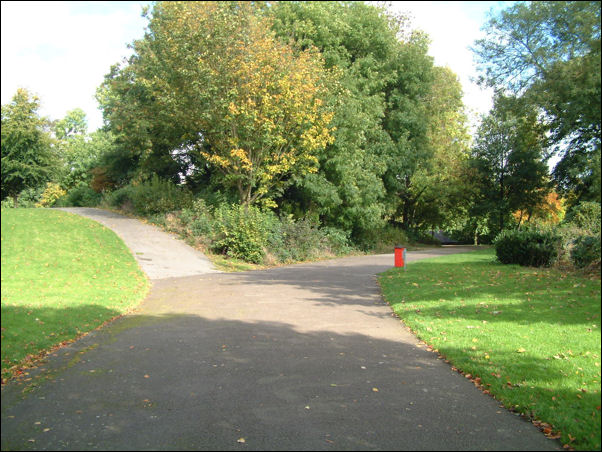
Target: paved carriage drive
x=305, y=357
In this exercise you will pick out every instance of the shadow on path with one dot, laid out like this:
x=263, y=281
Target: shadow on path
x=306, y=357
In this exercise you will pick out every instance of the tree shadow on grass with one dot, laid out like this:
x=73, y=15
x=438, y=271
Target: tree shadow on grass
x=518, y=295
x=538, y=388
x=185, y=382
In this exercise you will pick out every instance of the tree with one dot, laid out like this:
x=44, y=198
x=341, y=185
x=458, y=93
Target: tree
x=387, y=119
x=78, y=150
x=550, y=211
x=508, y=156
x=549, y=54
x=449, y=188
x=357, y=40
x=28, y=160
x=407, y=123
x=250, y=105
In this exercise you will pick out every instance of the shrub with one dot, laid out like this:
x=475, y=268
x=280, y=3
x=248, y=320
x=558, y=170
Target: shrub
x=586, y=216
x=151, y=197
x=383, y=240
x=586, y=251
x=197, y=218
x=158, y=196
x=119, y=198
x=337, y=240
x=27, y=198
x=531, y=247
x=240, y=232
x=80, y=196
x=50, y=195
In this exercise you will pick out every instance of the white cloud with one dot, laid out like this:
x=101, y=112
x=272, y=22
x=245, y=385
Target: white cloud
x=60, y=52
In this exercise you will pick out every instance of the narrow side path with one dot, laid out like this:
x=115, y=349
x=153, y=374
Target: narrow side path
x=305, y=357
x=160, y=255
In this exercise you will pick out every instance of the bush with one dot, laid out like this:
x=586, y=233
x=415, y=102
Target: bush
x=151, y=197
x=301, y=240
x=51, y=194
x=240, y=232
x=586, y=216
x=531, y=247
x=120, y=198
x=337, y=240
x=28, y=198
x=586, y=251
x=81, y=196
x=383, y=240
x=197, y=219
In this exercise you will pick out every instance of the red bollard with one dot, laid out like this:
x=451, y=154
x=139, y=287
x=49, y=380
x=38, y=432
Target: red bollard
x=400, y=257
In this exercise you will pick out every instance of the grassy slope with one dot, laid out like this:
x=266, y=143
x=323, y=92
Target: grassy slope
x=62, y=276
x=530, y=337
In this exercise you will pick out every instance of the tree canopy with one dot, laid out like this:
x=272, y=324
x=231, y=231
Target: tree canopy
x=549, y=54
x=28, y=160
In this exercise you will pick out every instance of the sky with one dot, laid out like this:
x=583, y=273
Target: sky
x=61, y=51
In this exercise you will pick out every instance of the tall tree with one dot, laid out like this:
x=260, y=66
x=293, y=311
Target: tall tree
x=78, y=150
x=407, y=123
x=252, y=107
x=358, y=40
x=449, y=188
x=549, y=53
x=508, y=156
x=28, y=160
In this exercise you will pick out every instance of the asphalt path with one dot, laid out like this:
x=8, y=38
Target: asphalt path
x=304, y=357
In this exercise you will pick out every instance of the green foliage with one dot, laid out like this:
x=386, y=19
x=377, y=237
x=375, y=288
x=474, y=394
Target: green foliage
x=586, y=251
x=255, y=235
x=79, y=151
x=303, y=239
x=240, y=232
x=530, y=247
x=151, y=197
x=549, y=54
x=119, y=199
x=585, y=216
x=28, y=160
x=28, y=198
x=357, y=40
x=211, y=80
x=198, y=218
x=80, y=196
x=508, y=163
x=383, y=239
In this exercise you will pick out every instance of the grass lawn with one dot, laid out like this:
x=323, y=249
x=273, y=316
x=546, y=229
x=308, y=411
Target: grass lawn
x=62, y=276
x=528, y=336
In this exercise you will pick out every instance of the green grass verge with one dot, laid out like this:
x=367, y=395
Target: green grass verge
x=530, y=337
x=62, y=276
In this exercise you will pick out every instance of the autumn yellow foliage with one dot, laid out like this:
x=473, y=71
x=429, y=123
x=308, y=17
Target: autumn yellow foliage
x=262, y=110
x=549, y=212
